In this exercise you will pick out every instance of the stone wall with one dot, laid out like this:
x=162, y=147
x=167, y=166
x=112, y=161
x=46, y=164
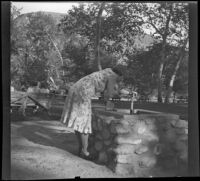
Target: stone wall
x=140, y=145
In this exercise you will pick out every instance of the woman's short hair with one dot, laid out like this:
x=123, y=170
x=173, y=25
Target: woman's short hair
x=117, y=70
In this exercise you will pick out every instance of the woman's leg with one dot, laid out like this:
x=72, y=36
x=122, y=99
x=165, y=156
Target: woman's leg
x=84, y=141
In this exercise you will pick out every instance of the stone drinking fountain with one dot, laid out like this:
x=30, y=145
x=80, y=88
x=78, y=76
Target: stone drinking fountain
x=141, y=145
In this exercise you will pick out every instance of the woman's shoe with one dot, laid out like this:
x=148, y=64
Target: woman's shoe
x=87, y=157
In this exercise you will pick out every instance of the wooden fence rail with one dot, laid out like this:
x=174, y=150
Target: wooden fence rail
x=51, y=103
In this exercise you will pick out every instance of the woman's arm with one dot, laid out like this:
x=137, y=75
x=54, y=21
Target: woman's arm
x=111, y=88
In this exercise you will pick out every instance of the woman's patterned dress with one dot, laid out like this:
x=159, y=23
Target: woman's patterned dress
x=77, y=111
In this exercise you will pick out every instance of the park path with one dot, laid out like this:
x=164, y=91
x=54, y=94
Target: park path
x=46, y=150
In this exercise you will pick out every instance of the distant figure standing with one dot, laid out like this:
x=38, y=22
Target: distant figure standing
x=34, y=89
x=134, y=95
x=23, y=88
x=77, y=111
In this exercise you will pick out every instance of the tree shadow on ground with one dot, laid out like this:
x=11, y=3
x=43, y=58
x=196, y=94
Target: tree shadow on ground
x=59, y=138
x=46, y=136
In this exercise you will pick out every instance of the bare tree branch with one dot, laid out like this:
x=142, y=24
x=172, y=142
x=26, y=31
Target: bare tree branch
x=168, y=21
x=58, y=51
x=152, y=24
x=55, y=46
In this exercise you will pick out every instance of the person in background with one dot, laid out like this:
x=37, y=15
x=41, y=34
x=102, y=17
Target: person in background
x=23, y=88
x=77, y=111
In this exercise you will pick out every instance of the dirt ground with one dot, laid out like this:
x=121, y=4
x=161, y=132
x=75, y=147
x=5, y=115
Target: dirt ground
x=42, y=149
x=46, y=149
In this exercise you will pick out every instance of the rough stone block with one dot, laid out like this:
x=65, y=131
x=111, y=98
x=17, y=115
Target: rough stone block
x=158, y=149
x=150, y=136
x=103, y=158
x=150, y=121
x=127, y=159
x=98, y=145
x=122, y=169
x=108, y=120
x=123, y=149
x=141, y=149
x=173, y=122
x=107, y=142
x=93, y=151
x=99, y=124
x=183, y=137
x=180, y=131
x=170, y=136
x=135, y=144
x=120, y=121
x=186, y=131
x=139, y=127
x=106, y=133
x=181, y=124
x=165, y=127
x=127, y=139
x=165, y=116
x=169, y=163
x=180, y=145
x=98, y=136
x=184, y=155
x=119, y=129
x=146, y=162
x=141, y=130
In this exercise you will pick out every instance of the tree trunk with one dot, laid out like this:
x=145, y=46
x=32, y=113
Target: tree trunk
x=57, y=73
x=52, y=80
x=174, y=97
x=173, y=79
x=164, y=35
x=98, y=35
x=160, y=82
x=168, y=93
x=24, y=106
x=26, y=57
x=57, y=50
